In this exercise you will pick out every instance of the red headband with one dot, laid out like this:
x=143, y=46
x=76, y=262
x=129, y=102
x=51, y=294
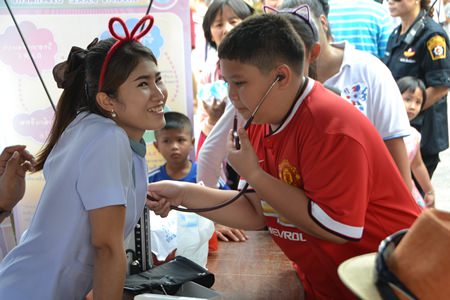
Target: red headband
x=123, y=39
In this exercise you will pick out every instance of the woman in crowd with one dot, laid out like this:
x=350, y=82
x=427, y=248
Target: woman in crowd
x=418, y=47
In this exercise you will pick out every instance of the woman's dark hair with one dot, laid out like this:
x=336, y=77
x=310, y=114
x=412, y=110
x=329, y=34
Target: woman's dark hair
x=303, y=30
x=410, y=84
x=79, y=76
x=240, y=8
x=317, y=7
x=308, y=37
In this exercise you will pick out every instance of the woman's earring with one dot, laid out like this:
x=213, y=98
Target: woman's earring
x=113, y=114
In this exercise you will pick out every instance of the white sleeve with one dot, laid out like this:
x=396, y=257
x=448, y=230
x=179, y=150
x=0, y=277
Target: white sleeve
x=388, y=113
x=214, y=151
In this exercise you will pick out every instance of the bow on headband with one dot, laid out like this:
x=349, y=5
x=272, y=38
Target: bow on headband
x=128, y=37
x=66, y=72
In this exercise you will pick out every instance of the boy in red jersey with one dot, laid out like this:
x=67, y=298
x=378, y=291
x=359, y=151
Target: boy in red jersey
x=324, y=183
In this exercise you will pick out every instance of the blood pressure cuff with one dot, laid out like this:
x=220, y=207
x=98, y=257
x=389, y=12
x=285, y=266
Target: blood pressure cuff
x=168, y=277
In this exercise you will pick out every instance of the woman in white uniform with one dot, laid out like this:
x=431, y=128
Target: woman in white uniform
x=95, y=172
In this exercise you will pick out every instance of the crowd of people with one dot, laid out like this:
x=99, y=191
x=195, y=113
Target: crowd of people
x=328, y=138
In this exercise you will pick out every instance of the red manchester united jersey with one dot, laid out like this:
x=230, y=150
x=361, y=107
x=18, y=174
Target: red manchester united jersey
x=330, y=150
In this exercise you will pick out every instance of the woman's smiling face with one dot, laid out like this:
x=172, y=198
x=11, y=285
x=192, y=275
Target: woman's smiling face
x=140, y=100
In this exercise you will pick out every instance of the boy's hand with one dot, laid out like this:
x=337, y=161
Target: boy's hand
x=227, y=234
x=244, y=160
x=167, y=193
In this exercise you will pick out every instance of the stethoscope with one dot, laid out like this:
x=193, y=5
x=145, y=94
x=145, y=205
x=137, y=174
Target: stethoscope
x=237, y=146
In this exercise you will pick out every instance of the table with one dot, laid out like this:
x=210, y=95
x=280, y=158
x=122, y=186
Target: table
x=254, y=269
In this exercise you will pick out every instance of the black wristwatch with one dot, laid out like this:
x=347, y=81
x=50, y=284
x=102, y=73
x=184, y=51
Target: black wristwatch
x=4, y=214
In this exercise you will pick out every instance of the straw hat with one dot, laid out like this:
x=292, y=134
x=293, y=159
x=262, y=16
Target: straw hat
x=418, y=258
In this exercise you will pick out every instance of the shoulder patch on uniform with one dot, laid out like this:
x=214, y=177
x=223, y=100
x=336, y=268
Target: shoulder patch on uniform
x=437, y=47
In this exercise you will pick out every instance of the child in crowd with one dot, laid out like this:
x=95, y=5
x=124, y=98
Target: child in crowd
x=95, y=173
x=213, y=152
x=175, y=142
x=321, y=179
x=414, y=96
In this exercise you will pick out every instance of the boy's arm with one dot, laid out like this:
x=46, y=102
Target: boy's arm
x=281, y=195
x=107, y=227
x=290, y=201
x=397, y=149
x=245, y=213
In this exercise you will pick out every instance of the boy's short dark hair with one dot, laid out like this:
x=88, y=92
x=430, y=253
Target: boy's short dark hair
x=176, y=120
x=264, y=41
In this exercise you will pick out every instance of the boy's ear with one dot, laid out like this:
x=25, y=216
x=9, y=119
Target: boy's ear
x=283, y=72
x=105, y=101
x=193, y=141
x=155, y=143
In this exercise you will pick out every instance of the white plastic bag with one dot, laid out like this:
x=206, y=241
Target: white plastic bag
x=163, y=234
x=188, y=233
x=193, y=234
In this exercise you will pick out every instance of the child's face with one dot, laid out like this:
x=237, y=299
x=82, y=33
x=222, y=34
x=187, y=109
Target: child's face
x=413, y=102
x=223, y=22
x=246, y=86
x=174, y=145
x=140, y=100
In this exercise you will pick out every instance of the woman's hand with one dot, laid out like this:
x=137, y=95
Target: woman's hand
x=243, y=160
x=164, y=194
